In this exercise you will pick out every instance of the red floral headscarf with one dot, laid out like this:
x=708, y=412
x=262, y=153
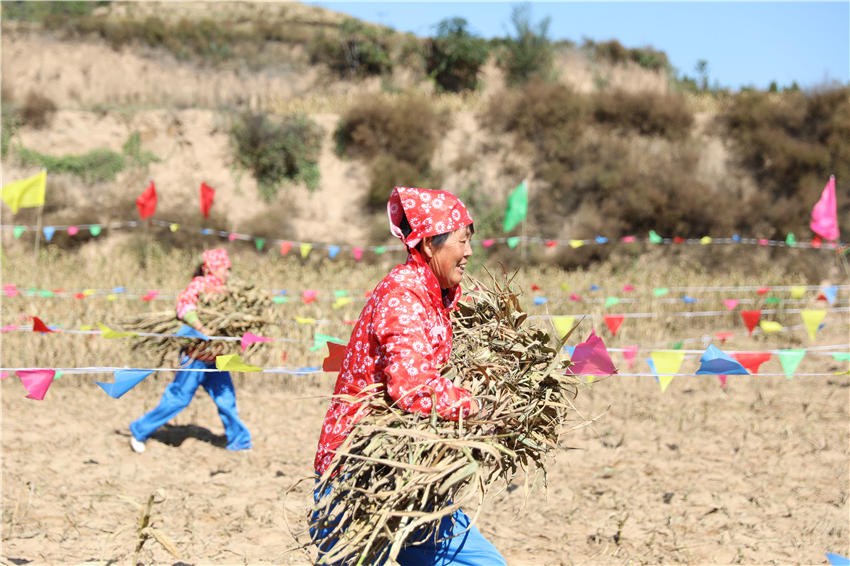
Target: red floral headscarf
x=428, y=212
x=214, y=259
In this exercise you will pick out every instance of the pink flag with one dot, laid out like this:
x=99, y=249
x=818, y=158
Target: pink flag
x=309, y=296
x=574, y=297
x=730, y=303
x=72, y=230
x=824, y=214
x=8, y=328
x=629, y=353
x=36, y=381
x=10, y=290
x=591, y=358
x=722, y=379
x=151, y=295
x=488, y=242
x=249, y=338
x=357, y=252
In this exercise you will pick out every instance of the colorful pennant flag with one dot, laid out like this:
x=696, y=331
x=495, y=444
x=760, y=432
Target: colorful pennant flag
x=189, y=332
x=26, y=193
x=812, y=320
x=48, y=232
x=249, y=338
x=769, y=326
x=797, y=291
x=336, y=354
x=629, y=354
x=513, y=242
x=285, y=247
x=790, y=359
x=207, y=199
x=824, y=214
x=39, y=326
x=666, y=365
x=517, y=207
x=109, y=333
x=233, y=362
x=716, y=362
x=752, y=360
x=357, y=253
x=654, y=237
x=305, y=249
x=751, y=319
x=730, y=303
x=319, y=340
x=613, y=322
x=591, y=358
x=146, y=203
x=563, y=324
x=36, y=381
x=125, y=380
x=660, y=291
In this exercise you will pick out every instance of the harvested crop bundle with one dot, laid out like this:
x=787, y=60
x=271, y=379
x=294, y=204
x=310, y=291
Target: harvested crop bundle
x=239, y=309
x=398, y=474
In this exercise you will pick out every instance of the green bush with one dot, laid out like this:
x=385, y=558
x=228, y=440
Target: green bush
x=791, y=142
x=97, y=165
x=277, y=151
x=402, y=132
x=356, y=49
x=528, y=53
x=645, y=113
x=454, y=57
x=615, y=53
x=133, y=149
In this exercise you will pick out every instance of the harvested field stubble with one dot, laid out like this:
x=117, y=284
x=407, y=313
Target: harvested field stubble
x=754, y=473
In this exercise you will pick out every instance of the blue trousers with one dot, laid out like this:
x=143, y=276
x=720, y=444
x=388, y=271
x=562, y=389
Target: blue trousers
x=458, y=543
x=179, y=393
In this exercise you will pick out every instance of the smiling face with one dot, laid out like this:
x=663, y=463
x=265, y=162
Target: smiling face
x=448, y=262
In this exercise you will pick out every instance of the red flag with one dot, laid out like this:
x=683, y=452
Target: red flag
x=285, y=247
x=39, y=326
x=613, y=321
x=333, y=362
x=146, y=203
x=207, y=198
x=752, y=360
x=751, y=319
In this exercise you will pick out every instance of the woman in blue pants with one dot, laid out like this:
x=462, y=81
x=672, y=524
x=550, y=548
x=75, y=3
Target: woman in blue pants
x=209, y=278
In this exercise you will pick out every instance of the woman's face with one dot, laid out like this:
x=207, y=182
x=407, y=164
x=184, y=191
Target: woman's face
x=448, y=262
x=221, y=273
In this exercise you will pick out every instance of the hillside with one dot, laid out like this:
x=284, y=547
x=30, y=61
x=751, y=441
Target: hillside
x=182, y=104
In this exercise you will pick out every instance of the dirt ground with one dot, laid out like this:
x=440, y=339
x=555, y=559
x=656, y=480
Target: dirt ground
x=755, y=473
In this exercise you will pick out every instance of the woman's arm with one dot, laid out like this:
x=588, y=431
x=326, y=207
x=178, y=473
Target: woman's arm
x=413, y=381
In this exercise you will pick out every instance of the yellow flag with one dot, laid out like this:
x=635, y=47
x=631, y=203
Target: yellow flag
x=666, y=364
x=797, y=291
x=705, y=240
x=812, y=319
x=576, y=243
x=563, y=324
x=341, y=302
x=88, y=292
x=26, y=193
x=305, y=250
x=109, y=333
x=302, y=320
x=232, y=362
x=769, y=326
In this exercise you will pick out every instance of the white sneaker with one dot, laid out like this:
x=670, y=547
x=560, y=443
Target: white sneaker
x=137, y=445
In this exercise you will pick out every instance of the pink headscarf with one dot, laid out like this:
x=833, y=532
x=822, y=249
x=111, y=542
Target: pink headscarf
x=214, y=259
x=428, y=212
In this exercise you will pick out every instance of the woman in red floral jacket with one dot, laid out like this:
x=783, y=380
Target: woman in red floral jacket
x=401, y=340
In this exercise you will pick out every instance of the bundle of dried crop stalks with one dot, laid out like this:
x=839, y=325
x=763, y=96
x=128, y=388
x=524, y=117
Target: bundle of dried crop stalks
x=398, y=474
x=240, y=308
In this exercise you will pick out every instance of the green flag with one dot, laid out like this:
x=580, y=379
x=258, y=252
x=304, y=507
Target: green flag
x=517, y=207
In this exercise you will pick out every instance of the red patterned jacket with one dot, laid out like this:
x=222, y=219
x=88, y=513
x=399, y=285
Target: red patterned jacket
x=402, y=338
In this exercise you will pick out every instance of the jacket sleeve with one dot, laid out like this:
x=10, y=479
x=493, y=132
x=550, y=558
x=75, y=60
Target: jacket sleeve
x=406, y=356
x=187, y=300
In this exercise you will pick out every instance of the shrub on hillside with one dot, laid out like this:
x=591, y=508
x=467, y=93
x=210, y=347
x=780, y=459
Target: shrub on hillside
x=37, y=110
x=402, y=132
x=277, y=151
x=454, y=56
x=356, y=49
x=528, y=53
x=615, y=53
x=791, y=142
x=646, y=113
